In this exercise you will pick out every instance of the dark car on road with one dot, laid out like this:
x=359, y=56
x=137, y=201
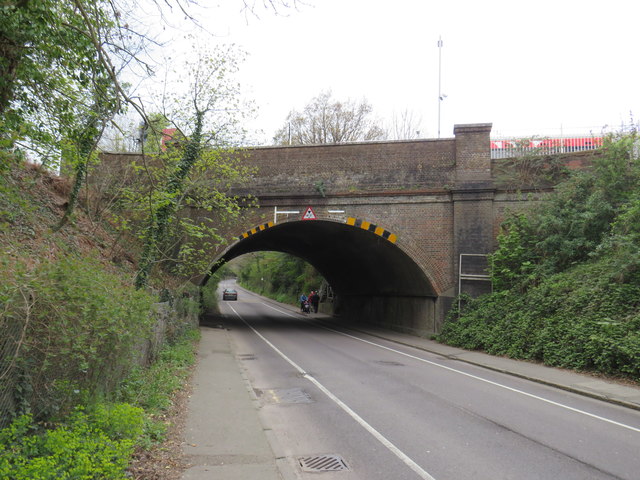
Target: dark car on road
x=229, y=294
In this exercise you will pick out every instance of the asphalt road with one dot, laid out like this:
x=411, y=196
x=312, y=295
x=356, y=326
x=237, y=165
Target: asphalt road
x=372, y=409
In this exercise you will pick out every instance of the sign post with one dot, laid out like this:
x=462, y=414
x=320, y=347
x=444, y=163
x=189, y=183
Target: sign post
x=277, y=212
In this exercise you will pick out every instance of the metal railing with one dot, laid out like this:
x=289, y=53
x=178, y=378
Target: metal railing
x=517, y=147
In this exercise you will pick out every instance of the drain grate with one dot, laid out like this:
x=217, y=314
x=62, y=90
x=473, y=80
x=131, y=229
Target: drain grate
x=323, y=463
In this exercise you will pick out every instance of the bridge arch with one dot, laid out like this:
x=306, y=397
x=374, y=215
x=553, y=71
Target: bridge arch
x=373, y=277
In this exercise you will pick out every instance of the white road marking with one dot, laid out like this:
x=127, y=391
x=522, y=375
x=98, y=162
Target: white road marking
x=515, y=390
x=377, y=435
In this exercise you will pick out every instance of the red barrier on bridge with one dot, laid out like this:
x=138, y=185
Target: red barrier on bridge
x=504, y=148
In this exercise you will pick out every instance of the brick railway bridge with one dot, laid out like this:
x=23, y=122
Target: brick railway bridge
x=397, y=228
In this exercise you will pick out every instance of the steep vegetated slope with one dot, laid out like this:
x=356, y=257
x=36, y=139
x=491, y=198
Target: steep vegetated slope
x=566, y=275
x=32, y=200
x=87, y=362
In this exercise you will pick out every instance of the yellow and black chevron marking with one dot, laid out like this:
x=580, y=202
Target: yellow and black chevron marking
x=257, y=229
x=363, y=224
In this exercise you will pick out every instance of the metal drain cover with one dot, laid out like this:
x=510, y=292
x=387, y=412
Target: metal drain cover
x=284, y=395
x=323, y=463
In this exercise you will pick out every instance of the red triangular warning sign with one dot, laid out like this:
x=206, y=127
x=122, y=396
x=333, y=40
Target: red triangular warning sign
x=309, y=215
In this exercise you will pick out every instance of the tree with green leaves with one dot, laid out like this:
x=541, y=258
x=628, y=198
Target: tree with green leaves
x=60, y=62
x=58, y=83
x=56, y=67
x=325, y=120
x=198, y=169
x=277, y=275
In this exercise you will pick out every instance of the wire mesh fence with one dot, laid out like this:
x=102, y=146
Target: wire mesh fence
x=21, y=379
x=11, y=334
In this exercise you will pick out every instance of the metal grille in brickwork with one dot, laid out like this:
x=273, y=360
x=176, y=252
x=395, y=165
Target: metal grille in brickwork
x=473, y=274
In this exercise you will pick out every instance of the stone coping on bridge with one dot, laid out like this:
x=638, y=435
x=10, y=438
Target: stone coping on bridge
x=354, y=143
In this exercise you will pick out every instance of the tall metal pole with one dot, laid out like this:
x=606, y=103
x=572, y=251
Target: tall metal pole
x=439, y=80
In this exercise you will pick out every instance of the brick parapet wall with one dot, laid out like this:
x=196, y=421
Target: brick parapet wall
x=357, y=167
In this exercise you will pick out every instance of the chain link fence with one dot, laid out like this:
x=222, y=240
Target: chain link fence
x=11, y=334
x=171, y=319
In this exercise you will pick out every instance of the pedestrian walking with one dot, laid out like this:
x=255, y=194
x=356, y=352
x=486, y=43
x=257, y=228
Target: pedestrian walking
x=314, y=298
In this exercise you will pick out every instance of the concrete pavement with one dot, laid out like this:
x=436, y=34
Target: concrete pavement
x=224, y=437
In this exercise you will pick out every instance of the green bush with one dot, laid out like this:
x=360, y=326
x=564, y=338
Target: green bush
x=86, y=447
x=574, y=223
x=82, y=331
x=119, y=421
x=566, y=275
x=151, y=387
x=96, y=442
x=579, y=319
x=71, y=329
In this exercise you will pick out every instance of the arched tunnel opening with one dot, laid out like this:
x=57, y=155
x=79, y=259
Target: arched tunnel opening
x=374, y=281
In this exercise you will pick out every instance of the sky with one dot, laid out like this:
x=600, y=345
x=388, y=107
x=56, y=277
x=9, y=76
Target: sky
x=560, y=67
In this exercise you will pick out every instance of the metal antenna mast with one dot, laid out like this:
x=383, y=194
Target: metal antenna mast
x=440, y=97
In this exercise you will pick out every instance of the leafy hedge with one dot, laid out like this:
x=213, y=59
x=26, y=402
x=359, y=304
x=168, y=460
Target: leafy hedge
x=97, y=441
x=580, y=319
x=82, y=381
